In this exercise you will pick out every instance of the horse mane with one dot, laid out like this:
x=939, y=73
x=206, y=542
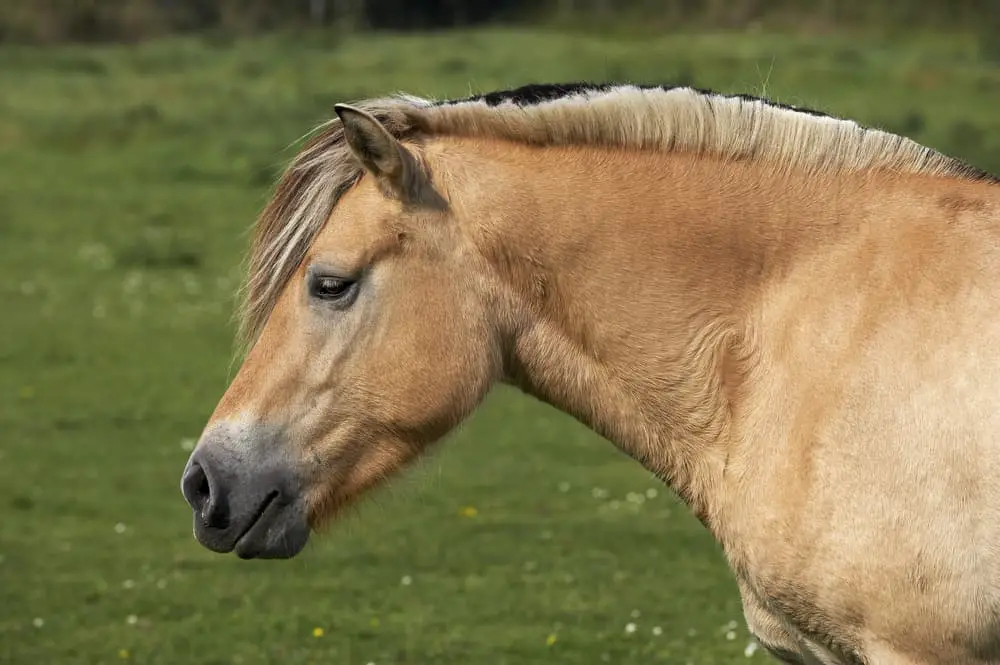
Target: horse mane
x=639, y=117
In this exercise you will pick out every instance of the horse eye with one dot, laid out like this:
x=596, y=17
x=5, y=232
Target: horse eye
x=326, y=287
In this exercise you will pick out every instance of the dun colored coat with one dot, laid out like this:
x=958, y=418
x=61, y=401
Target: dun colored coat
x=793, y=320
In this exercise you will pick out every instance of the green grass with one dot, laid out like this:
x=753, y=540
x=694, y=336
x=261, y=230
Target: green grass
x=129, y=179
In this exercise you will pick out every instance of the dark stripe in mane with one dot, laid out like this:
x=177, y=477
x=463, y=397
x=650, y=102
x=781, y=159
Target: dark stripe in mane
x=539, y=93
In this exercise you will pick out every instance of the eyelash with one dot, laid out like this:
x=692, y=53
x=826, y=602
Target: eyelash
x=329, y=288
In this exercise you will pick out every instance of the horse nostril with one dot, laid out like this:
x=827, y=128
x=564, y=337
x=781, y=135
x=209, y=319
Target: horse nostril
x=197, y=487
x=204, y=489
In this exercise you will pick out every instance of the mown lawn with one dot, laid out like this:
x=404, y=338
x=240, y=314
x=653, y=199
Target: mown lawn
x=128, y=178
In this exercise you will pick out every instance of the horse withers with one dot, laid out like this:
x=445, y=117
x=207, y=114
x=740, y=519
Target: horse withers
x=789, y=318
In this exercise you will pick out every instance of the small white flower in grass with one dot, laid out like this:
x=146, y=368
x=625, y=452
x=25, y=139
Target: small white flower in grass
x=187, y=443
x=132, y=282
x=657, y=631
x=128, y=584
x=599, y=493
x=630, y=628
x=131, y=619
x=27, y=288
x=161, y=584
x=636, y=498
x=750, y=649
x=96, y=254
x=732, y=625
x=406, y=581
x=191, y=284
x=564, y=486
x=636, y=614
x=651, y=493
x=38, y=622
x=731, y=635
x=692, y=632
x=120, y=528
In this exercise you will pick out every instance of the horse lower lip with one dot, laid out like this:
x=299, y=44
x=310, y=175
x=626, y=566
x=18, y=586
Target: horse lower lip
x=257, y=519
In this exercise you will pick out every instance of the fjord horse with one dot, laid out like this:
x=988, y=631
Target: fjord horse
x=791, y=319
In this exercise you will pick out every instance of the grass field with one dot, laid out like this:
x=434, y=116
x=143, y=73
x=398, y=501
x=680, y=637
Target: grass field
x=129, y=178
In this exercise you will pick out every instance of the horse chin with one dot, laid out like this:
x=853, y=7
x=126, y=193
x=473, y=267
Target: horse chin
x=333, y=504
x=327, y=505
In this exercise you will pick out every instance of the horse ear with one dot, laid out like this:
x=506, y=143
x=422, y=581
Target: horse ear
x=379, y=152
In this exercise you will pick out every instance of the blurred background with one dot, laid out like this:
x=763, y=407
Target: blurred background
x=139, y=138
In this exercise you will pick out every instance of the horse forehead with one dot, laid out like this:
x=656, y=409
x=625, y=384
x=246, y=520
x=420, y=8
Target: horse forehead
x=362, y=216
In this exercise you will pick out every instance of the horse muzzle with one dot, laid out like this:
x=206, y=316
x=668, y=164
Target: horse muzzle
x=245, y=495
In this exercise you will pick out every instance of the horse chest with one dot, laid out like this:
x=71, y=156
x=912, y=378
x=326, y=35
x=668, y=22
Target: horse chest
x=823, y=615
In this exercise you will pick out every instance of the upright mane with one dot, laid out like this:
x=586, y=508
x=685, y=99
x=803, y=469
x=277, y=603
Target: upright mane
x=627, y=116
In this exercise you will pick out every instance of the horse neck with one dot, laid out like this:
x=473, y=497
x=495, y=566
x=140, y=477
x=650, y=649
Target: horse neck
x=633, y=279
